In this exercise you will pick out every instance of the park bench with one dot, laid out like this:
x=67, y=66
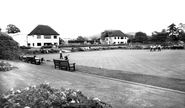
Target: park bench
x=32, y=59
x=64, y=64
x=56, y=63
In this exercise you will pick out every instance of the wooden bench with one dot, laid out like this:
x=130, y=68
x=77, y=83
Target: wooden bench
x=56, y=63
x=64, y=64
x=31, y=59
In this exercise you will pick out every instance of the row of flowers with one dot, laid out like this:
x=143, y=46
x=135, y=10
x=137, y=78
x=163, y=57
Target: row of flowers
x=44, y=96
x=5, y=66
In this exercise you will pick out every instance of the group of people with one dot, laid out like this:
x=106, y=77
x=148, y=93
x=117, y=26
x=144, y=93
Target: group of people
x=155, y=47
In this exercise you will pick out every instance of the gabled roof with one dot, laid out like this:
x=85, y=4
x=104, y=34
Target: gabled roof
x=116, y=33
x=43, y=30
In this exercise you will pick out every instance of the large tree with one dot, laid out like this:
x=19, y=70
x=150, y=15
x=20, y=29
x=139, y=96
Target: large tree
x=172, y=29
x=182, y=36
x=80, y=38
x=131, y=38
x=12, y=29
x=159, y=37
x=141, y=37
x=174, y=33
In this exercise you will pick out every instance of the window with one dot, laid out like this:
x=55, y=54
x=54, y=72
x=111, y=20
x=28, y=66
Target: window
x=38, y=44
x=38, y=36
x=114, y=37
x=122, y=42
x=47, y=37
x=28, y=44
x=47, y=44
x=118, y=37
x=122, y=37
x=33, y=44
x=55, y=37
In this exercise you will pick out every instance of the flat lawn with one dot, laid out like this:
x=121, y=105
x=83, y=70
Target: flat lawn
x=164, y=69
x=167, y=63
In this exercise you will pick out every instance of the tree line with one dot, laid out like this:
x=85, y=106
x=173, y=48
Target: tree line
x=171, y=35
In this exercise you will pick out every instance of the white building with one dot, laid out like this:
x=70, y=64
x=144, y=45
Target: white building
x=20, y=38
x=42, y=35
x=116, y=37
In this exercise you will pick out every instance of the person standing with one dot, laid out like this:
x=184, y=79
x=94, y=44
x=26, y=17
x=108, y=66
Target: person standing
x=154, y=47
x=61, y=57
x=159, y=47
x=151, y=48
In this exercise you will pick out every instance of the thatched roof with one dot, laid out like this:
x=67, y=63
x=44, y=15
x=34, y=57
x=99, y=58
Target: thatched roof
x=43, y=30
x=116, y=33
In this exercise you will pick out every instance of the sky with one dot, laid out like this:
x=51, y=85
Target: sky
x=73, y=18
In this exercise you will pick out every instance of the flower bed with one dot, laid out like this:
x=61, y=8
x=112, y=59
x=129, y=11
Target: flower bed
x=43, y=96
x=5, y=66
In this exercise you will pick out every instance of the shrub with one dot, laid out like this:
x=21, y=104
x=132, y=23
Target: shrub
x=43, y=96
x=5, y=66
x=48, y=46
x=9, y=48
x=25, y=47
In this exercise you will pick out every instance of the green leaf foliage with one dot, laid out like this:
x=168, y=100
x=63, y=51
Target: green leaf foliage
x=44, y=96
x=9, y=48
x=12, y=29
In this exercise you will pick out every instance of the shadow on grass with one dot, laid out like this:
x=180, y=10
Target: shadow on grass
x=164, y=82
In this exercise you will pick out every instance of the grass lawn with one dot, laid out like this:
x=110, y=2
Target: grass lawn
x=159, y=81
x=121, y=64
x=167, y=63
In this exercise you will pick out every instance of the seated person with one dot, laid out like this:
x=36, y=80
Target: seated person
x=66, y=57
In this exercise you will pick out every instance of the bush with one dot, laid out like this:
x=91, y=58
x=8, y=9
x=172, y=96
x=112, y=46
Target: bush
x=5, y=66
x=25, y=47
x=48, y=46
x=43, y=96
x=9, y=48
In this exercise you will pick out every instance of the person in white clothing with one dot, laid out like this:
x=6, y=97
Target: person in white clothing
x=61, y=57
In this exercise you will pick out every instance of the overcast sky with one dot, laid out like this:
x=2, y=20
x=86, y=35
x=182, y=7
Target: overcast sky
x=72, y=18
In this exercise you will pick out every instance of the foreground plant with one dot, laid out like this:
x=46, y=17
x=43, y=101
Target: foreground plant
x=5, y=66
x=43, y=96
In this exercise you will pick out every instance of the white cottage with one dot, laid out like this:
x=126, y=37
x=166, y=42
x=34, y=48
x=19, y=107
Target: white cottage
x=116, y=37
x=42, y=35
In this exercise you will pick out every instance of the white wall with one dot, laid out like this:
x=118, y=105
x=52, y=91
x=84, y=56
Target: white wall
x=112, y=40
x=33, y=39
x=20, y=38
